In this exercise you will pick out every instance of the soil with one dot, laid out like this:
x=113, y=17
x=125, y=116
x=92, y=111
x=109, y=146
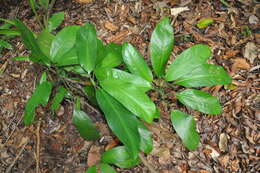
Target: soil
x=229, y=142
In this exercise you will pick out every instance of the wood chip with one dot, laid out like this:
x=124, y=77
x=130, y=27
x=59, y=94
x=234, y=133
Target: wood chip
x=223, y=141
x=110, y=26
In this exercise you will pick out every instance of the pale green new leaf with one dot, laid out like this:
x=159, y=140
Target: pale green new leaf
x=200, y=101
x=63, y=42
x=135, y=62
x=184, y=125
x=55, y=21
x=39, y=97
x=187, y=61
x=161, y=46
x=120, y=157
x=132, y=97
x=205, y=75
x=86, y=47
x=122, y=122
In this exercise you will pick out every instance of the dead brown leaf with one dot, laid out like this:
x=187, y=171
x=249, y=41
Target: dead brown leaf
x=110, y=26
x=240, y=63
x=93, y=155
x=250, y=52
x=84, y=1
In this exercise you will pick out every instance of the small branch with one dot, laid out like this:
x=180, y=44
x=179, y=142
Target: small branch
x=38, y=147
x=147, y=164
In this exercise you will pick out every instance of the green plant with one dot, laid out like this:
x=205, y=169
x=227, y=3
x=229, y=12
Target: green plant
x=121, y=95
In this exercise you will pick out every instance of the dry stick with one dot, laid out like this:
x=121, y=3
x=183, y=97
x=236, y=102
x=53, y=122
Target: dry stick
x=147, y=164
x=17, y=157
x=38, y=147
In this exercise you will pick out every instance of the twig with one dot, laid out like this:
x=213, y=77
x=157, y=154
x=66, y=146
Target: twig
x=38, y=147
x=147, y=164
x=17, y=157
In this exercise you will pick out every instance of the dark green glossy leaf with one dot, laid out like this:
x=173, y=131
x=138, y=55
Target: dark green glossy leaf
x=135, y=62
x=101, y=51
x=32, y=4
x=146, y=140
x=205, y=75
x=200, y=101
x=5, y=26
x=113, y=56
x=161, y=46
x=61, y=92
x=108, y=73
x=119, y=157
x=86, y=47
x=7, y=21
x=63, y=42
x=187, y=61
x=184, y=125
x=44, y=41
x=39, y=97
x=122, y=122
x=44, y=3
x=105, y=168
x=132, y=97
x=92, y=169
x=91, y=94
x=84, y=125
x=5, y=44
x=55, y=21
x=30, y=42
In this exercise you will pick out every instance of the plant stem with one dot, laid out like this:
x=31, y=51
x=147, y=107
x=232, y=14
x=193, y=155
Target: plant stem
x=50, y=9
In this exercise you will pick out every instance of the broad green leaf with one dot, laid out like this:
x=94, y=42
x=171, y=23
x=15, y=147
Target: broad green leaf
x=122, y=122
x=30, y=42
x=39, y=97
x=120, y=157
x=105, y=168
x=113, y=56
x=84, y=125
x=92, y=169
x=136, y=63
x=69, y=58
x=91, y=94
x=132, y=97
x=63, y=42
x=44, y=41
x=9, y=32
x=205, y=75
x=203, y=23
x=146, y=140
x=101, y=51
x=5, y=44
x=187, y=61
x=55, y=21
x=86, y=47
x=161, y=46
x=200, y=101
x=184, y=125
x=61, y=92
x=108, y=73
x=20, y=58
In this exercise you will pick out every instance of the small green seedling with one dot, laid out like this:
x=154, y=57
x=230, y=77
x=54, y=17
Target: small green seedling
x=120, y=95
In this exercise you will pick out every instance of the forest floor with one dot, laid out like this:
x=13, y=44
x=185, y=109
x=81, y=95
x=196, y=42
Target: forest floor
x=230, y=142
